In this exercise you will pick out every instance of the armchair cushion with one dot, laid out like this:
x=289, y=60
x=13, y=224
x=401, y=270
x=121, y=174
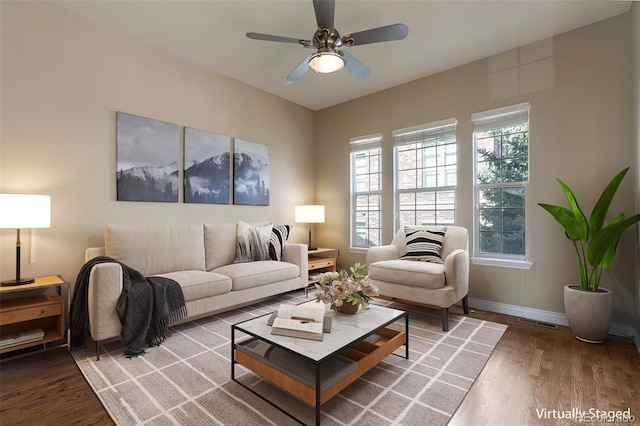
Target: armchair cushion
x=423, y=244
x=418, y=274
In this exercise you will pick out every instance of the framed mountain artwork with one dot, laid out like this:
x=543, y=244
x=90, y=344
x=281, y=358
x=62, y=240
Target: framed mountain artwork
x=250, y=173
x=207, y=167
x=147, y=159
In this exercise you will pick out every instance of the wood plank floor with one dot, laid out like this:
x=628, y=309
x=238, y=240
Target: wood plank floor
x=532, y=368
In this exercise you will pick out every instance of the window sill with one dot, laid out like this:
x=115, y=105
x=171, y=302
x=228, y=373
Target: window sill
x=362, y=250
x=504, y=263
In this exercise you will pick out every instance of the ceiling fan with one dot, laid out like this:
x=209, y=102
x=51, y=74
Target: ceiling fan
x=327, y=41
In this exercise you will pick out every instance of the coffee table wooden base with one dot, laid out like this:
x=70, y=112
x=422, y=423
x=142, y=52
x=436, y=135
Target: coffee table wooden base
x=366, y=356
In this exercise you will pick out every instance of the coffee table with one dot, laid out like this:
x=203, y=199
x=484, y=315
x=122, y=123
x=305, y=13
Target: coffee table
x=363, y=339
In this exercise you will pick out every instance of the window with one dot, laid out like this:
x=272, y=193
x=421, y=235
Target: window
x=425, y=162
x=501, y=177
x=366, y=191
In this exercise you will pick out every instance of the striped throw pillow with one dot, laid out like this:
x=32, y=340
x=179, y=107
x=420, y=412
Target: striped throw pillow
x=252, y=242
x=423, y=244
x=279, y=236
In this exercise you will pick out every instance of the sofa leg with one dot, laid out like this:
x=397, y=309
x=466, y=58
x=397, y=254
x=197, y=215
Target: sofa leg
x=98, y=351
x=444, y=313
x=465, y=304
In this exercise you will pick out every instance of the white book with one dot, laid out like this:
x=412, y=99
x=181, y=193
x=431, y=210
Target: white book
x=299, y=321
x=21, y=338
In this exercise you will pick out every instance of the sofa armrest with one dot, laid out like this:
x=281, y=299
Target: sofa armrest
x=456, y=271
x=92, y=252
x=105, y=286
x=298, y=255
x=378, y=253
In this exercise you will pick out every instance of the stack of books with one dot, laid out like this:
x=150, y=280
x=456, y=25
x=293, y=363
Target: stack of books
x=21, y=338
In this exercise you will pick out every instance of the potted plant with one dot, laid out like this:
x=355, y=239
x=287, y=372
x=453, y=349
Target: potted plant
x=589, y=307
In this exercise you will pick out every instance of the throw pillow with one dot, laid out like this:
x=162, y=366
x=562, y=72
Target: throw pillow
x=252, y=242
x=279, y=237
x=423, y=244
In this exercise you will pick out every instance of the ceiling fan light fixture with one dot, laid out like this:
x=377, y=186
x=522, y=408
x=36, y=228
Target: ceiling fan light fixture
x=326, y=62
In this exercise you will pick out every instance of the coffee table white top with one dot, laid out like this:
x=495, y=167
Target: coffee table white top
x=345, y=330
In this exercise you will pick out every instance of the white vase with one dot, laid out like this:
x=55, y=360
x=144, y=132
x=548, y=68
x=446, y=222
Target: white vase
x=589, y=313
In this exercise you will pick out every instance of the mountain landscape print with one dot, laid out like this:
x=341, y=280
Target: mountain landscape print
x=147, y=167
x=206, y=167
x=250, y=173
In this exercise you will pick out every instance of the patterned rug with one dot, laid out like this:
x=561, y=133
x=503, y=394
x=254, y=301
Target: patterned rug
x=187, y=380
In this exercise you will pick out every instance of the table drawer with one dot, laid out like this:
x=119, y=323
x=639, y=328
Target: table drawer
x=321, y=262
x=32, y=308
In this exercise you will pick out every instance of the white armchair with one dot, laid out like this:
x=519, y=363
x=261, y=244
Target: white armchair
x=424, y=282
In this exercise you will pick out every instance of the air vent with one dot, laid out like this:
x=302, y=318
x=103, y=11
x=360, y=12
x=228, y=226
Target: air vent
x=538, y=323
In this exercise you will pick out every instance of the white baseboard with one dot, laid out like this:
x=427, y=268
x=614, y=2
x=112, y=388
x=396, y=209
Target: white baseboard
x=617, y=329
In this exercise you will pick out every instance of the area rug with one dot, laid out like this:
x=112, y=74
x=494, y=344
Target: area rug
x=187, y=380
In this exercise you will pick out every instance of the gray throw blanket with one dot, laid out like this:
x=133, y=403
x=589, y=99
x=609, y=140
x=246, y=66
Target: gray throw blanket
x=146, y=307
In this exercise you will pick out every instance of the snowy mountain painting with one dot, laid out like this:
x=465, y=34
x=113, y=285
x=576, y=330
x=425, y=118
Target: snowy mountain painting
x=147, y=164
x=206, y=167
x=250, y=173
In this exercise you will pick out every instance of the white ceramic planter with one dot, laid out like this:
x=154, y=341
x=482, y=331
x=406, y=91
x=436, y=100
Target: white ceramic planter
x=589, y=314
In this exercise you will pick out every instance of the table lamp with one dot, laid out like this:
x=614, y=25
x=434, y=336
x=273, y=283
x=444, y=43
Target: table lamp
x=20, y=211
x=310, y=214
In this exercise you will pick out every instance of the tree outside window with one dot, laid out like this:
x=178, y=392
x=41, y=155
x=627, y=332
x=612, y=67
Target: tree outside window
x=502, y=175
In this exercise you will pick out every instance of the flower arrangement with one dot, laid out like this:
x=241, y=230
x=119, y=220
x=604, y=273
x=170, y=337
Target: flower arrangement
x=338, y=288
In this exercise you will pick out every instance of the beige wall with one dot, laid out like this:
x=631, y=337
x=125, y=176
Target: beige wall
x=581, y=130
x=63, y=78
x=635, y=22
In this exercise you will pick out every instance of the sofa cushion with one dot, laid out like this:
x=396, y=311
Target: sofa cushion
x=419, y=274
x=252, y=242
x=279, y=237
x=255, y=274
x=156, y=249
x=220, y=244
x=423, y=244
x=199, y=284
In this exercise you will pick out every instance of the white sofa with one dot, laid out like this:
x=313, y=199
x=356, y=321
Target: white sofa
x=439, y=284
x=200, y=257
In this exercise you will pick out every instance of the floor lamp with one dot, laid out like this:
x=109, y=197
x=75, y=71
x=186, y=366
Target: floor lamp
x=20, y=211
x=310, y=214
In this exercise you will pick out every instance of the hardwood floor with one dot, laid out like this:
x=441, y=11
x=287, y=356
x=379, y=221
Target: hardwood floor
x=533, y=368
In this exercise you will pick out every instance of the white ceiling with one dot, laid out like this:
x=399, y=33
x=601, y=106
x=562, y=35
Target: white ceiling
x=442, y=35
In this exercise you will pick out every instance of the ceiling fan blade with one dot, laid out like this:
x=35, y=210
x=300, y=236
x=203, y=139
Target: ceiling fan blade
x=377, y=35
x=325, y=10
x=355, y=67
x=299, y=71
x=268, y=37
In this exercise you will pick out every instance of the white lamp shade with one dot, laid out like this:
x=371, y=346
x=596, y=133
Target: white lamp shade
x=20, y=211
x=309, y=214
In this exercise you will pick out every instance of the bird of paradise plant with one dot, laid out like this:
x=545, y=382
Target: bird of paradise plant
x=595, y=244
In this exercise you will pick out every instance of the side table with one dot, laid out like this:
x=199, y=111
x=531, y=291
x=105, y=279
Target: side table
x=22, y=309
x=322, y=260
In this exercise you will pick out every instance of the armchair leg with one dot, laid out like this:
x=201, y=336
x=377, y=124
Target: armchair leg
x=444, y=313
x=465, y=304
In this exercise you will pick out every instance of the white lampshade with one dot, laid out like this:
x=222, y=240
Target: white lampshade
x=309, y=214
x=326, y=62
x=21, y=211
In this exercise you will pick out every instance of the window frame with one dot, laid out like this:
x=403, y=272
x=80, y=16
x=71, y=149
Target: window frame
x=358, y=145
x=442, y=129
x=498, y=119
